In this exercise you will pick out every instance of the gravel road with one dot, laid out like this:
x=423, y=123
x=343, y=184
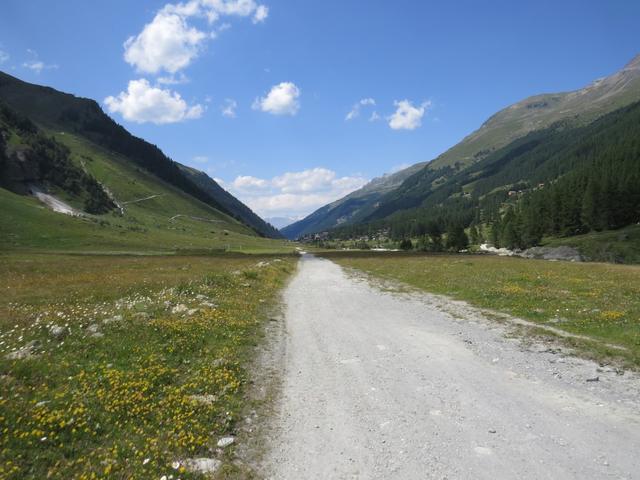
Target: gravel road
x=386, y=385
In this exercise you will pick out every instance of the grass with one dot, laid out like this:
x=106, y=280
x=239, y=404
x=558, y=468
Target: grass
x=147, y=368
x=615, y=246
x=169, y=222
x=601, y=301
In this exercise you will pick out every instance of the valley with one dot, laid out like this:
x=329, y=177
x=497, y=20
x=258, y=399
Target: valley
x=205, y=273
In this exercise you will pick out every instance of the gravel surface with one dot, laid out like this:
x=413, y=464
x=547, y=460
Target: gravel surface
x=380, y=384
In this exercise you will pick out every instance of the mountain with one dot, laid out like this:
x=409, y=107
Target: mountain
x=560, y=182
x=535, y=113
x=229, y=202
x=280, y=222
x=351, y=207
x=57, y=111
x=119, y=190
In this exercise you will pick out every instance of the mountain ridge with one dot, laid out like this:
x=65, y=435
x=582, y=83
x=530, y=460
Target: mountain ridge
x=55, y=111
x=532, y=113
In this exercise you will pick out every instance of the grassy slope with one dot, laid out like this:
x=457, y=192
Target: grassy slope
x=146, y=226
x=615, y=246
x=598, y=300
x=533, y=113
x=97, y=406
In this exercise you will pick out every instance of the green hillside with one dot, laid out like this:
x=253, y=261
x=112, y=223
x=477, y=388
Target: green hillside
x=157, y=216
x=229, y=202
x=124, y=199
x=558, y=182
x=572, y=109
x=57, y=112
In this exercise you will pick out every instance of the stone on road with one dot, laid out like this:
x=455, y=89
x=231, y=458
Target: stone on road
x=381, y=385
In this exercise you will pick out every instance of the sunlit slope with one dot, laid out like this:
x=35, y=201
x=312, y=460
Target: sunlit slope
x=153, y=216
x=535, y=113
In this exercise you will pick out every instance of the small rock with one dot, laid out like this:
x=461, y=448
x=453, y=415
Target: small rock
x=94, y=330
x=58, y=331
x=209, y=305
x=202, y=465
x=27, y=351
x=115, y=318
x=180, y=308
x=201, y=297
x=225, y=442
x=204, y=399
x=594, y=379
x=492, y=430
x=192, y=311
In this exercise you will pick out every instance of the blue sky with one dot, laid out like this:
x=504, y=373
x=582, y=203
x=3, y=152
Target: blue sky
x=265, y=86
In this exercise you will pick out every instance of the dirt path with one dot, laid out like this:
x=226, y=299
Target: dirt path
x=137, y=200
x=381, y=385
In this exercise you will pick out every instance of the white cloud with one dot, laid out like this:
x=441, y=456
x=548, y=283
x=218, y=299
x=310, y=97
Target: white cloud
x=169, y=43
x=179, y=79
x=37, y=66
x=262, y=12
x=407, y=116
x=282, y=99
x=294, y=193
x=201, y=159
x=4, y=56
x=312, y=180
x=229, y=108
x=249, y=183
x=374, y=117
x=143, y=103
x=355, y=110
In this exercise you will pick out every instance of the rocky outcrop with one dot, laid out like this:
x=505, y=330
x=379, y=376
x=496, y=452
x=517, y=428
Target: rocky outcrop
x=562, y=253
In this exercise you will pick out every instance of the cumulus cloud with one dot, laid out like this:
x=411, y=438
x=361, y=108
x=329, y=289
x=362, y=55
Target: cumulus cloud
x=201, y=159
x=143, y=103
x=294, y=193
x=249, y=183
x=170, y=43
x=355, y=110
x=407, y=116
x=166, y=43
x=282, y=99
x=229, y=108
x=4, y=56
